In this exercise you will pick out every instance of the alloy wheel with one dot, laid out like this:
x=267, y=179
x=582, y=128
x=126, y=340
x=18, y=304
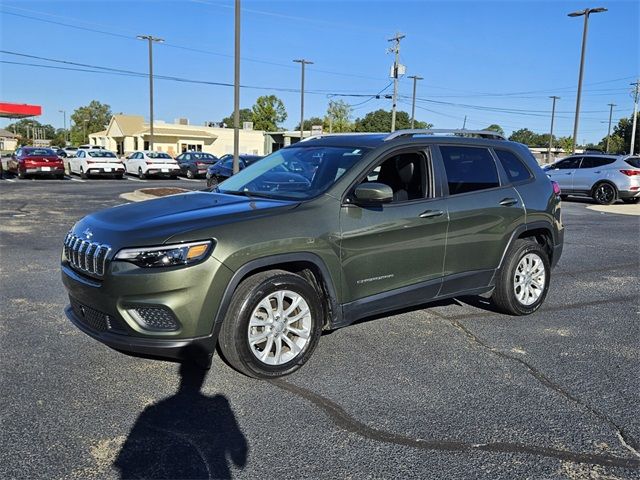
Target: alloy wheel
x=605, y=194
x=279, y=327
x=529, y=279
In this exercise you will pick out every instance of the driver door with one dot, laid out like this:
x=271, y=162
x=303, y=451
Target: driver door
x=390, y=246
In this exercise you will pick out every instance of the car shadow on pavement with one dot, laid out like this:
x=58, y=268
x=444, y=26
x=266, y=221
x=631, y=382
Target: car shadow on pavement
x=188, y=435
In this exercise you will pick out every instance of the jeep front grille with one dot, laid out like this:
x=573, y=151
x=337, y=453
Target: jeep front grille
x=86, y=256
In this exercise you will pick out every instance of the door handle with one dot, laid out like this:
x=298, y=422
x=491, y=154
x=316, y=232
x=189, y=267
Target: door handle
x=507, y=202
x=431, y=213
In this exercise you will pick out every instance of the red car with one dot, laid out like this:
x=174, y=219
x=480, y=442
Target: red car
x=36, y=161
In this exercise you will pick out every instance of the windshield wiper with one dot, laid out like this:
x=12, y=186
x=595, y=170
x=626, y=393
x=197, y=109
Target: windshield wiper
x=247, y=193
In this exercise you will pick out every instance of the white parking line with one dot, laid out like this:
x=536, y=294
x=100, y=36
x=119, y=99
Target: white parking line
x=77, y=180
x=135, y=179
x=9, y=179
x=189, y=179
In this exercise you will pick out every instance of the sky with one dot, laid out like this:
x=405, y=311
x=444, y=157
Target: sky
x=492, y=61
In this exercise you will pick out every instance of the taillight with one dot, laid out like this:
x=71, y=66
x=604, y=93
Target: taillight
x=556, y=187
x=630, y=173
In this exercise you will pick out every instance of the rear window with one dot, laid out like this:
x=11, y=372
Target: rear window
x=515, y=168
x=595, y=162
x=40, y=151
x=469, y=169
x=203, y=156
x=633, y=161
x=158, y=155
x=101, y=154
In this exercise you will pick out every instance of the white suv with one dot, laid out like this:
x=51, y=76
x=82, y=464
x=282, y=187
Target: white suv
x=145, y=163
x=96, y=162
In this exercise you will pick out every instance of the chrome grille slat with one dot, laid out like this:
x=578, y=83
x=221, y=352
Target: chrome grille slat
x=86, y=256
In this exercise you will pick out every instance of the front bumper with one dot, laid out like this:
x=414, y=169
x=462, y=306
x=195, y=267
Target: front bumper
x=106, y=309
x=44, y=170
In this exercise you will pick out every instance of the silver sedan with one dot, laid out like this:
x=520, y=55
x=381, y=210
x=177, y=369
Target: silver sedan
x=605, y=178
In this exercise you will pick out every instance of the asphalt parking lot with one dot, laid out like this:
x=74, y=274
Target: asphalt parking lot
x=451, y=390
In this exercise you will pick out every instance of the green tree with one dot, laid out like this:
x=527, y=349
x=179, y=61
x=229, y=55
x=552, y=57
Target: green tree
x=494, y=127
x=338, y=117
x=380, y=121
x=623, y=130
x=309, y=122
x=89, y=119
x=268, y=112
x=525, y=136
x=246, y=115
x=565, y=143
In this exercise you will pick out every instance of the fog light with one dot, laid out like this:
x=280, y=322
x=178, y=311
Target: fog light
x=159, y=319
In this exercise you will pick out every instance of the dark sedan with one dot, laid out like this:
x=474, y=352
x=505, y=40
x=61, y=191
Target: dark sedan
x=194, y=164
x=222, y=170
x=36, y=161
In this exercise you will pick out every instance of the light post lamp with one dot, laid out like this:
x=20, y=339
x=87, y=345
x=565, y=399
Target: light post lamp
x=586, y=12
x=150, y=39
x=302, y=63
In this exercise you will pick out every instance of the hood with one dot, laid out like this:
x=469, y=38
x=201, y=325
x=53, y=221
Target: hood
x=153, y=222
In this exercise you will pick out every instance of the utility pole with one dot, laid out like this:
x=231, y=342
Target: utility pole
x=302, y=63
x=553, y=115
x=395, y=49
x=611, y=105
x=635, y=115
x=464, y=124
x=64, y=117
x=413, y=103
x=586, y=12
x=150, y=39
x=236, y=91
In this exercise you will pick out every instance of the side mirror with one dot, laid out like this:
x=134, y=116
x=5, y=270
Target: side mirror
x=373, y=193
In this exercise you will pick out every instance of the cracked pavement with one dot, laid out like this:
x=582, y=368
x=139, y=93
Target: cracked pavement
x=448, y=390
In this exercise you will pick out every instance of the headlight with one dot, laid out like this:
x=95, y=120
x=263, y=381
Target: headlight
x=166, y=255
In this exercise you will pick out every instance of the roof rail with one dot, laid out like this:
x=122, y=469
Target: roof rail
x=337, y=134
x=439, y=131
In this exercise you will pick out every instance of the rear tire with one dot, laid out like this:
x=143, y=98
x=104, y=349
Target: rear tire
x=83, y=175
x=190, y=174
x=141, y=175
x=283, y=335
x=21, y=175
x=523, y=281
x=563, y=197
x=604, y=193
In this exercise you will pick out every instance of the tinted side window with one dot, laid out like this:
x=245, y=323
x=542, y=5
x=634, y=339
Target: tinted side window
x=568, y=163
x=515, y=168
x=405, y=174
x=228, y=164
x=594, y=162
x=633, y=161
x=469, y=169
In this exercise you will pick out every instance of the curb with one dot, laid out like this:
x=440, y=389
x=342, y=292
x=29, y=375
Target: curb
x=139, y=196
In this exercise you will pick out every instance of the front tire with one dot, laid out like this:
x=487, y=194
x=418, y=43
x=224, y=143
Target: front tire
x=523, y=281
x=212, y=182
x=604, y=193
x=272, y=326
x=21, y=175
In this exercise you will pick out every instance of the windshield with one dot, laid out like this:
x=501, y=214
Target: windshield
x=40, y=151
x=294, y=173
x=101, y=154
x=158, y=155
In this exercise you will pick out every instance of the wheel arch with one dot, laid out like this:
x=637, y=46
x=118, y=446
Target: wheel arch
x=601, y=181
x=541, y=232
x=308, y=265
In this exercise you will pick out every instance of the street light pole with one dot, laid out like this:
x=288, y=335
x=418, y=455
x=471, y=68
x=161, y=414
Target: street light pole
x=64, y=119
x=611, y=105
x=236, y=91
x=413, y=103
x=302, y=62
x=553, y=114
x=150, y=39
x=586, y=12
x=635, y=115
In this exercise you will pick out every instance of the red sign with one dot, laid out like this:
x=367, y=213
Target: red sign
x=19, y=110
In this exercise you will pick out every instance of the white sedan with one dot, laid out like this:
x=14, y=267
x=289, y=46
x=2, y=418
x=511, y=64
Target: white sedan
x=96, y=162
x=145, y=163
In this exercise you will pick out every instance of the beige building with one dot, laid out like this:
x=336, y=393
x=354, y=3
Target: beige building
x=8, y=141
x=128, y=133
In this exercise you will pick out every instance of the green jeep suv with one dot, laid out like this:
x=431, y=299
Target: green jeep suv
x=366, y=224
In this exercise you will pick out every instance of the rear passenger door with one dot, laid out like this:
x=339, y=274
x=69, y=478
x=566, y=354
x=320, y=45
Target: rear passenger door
x=589, y=172
x=484, y=209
